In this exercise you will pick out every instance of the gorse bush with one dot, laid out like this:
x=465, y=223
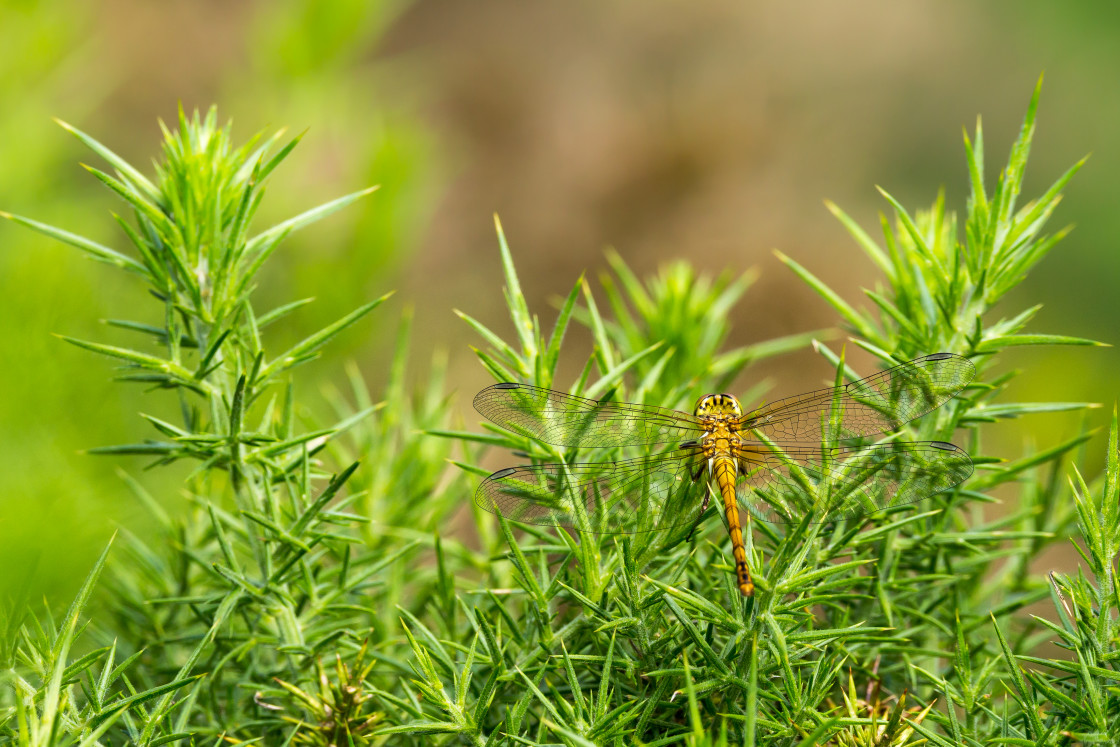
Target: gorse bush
x=307, y=593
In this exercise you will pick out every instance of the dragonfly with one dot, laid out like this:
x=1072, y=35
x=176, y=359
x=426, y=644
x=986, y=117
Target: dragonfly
x=803, y=458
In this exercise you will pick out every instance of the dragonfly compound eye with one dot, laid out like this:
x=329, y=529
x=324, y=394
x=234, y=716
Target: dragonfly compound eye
x=722, y=405
x=731, y=406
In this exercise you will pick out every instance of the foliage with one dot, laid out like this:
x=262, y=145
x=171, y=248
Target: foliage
x=320, y=588
x=41, y=676
x=291, y=62
x=858, y=632
x=233, y=574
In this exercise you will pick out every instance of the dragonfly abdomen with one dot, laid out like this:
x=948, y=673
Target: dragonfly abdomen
x=724, y=468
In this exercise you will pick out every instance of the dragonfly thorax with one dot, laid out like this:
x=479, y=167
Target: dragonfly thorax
x=719, y=406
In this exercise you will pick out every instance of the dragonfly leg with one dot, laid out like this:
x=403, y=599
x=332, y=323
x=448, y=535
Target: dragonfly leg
x=699, y=516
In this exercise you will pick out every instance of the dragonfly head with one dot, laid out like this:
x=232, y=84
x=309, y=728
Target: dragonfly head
x=718, y=405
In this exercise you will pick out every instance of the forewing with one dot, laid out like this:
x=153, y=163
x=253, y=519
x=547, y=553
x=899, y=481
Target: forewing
x=567, y=420
x=625, y=497
x=835, y=482
x=881, y=402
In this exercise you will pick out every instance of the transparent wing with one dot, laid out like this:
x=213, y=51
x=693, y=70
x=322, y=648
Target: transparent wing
x=835, y=482
x=881, y=402
x=567, y=420
x=625, y=497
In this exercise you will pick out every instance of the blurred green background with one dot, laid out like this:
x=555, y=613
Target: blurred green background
x=708, y=130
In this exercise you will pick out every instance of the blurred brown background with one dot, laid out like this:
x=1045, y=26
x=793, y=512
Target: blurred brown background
x=710, y=131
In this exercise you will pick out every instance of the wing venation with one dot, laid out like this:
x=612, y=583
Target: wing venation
x=567, y=420
x=624, y=497
x=832, y=483
x=875, y=404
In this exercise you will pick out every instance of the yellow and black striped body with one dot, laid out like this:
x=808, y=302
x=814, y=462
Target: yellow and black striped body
x=725, y=480
x=721, y=414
